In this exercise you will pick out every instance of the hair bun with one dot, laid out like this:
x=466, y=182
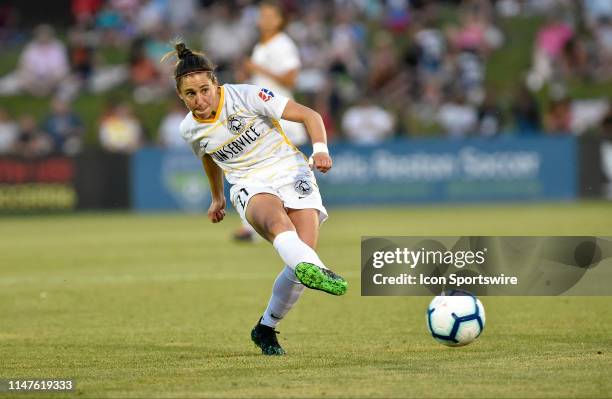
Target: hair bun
x=182, y=51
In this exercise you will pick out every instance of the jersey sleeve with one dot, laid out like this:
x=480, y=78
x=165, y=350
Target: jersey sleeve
x=266, y=102
x=287, y=55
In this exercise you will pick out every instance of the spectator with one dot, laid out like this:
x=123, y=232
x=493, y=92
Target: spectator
x=169, y=136
x=64, y=127
x=489, y=116
x=347, y=43
x=127, y=8
x=476, y=34
x=84, y=10
x=32, y=141
x=470, y=36
x=150, y=16
x=81, y=53
x=367, y=124
x=587, y=114
x=595, y=10
x=603, y=41
x=311, y=36
x=397, y=15
x=43, y=64
x=9, y=133
x=431, y=50
x=458, y=118
x=558, y=117
x=526, y=112
x=182, y=14
x=111, y=25
x=120, y=131
x=606, y=153
x=144, y=75
x=384, y=62
x=143, y=71
x=551, y=41
x=224, y=24
x=9, y=19
x=470, y=74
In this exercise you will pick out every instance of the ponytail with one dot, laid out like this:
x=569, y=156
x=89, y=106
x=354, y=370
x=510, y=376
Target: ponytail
x=190, y=62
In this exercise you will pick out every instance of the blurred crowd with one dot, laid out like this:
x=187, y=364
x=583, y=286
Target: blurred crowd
x=374, y=69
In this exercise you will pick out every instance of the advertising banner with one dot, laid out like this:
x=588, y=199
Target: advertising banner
x=441, y=170
x=406, y=171
x=28, y=185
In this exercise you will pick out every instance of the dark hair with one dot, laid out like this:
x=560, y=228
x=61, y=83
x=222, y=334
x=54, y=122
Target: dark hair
x=190, y=62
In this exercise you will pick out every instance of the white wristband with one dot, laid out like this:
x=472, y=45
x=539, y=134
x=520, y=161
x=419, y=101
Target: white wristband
x=319, y=147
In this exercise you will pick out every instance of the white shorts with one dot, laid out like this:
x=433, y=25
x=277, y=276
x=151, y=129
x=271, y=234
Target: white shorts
x=301, y=194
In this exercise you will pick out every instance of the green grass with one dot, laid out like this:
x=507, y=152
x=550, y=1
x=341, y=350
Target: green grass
x=162, y=306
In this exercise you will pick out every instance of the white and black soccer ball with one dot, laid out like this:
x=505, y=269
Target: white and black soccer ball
x=456, y=318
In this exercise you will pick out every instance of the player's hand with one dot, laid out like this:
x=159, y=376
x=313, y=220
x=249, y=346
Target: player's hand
x=321, y=161
x=216, y=210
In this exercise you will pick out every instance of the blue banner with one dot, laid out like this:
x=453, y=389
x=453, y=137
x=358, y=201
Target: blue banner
x=442, y=170
x=169, y=179
x=402, y=171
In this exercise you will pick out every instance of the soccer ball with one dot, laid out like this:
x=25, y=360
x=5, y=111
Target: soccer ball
x=455, y=318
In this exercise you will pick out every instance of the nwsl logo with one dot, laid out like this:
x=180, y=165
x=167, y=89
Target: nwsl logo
x=265, y=94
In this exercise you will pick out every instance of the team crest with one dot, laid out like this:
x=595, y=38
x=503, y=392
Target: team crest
x=303, y=187
x=265, y=95
x=235, y=124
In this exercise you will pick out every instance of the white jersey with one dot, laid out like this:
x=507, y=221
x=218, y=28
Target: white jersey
x=245, y=138
x=279, y=55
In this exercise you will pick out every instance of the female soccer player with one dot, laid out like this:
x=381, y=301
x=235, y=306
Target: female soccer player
x=235, y=130
x=274, y=64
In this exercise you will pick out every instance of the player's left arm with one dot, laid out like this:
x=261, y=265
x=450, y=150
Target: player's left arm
x=313, y=122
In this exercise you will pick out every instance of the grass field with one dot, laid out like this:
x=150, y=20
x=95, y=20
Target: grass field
x=162, y=306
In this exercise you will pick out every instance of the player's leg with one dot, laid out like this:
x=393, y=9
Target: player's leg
x=287, y=288
x=306, y=222
x=267, y=214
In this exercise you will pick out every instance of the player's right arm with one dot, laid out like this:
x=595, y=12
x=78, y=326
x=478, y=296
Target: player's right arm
x=216, y=211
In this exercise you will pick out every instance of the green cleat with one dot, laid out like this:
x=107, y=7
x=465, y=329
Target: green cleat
x=318, y=278
x=265, y=338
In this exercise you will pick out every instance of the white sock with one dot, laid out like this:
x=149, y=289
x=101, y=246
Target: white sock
x=292, y=250
x=285, y=293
